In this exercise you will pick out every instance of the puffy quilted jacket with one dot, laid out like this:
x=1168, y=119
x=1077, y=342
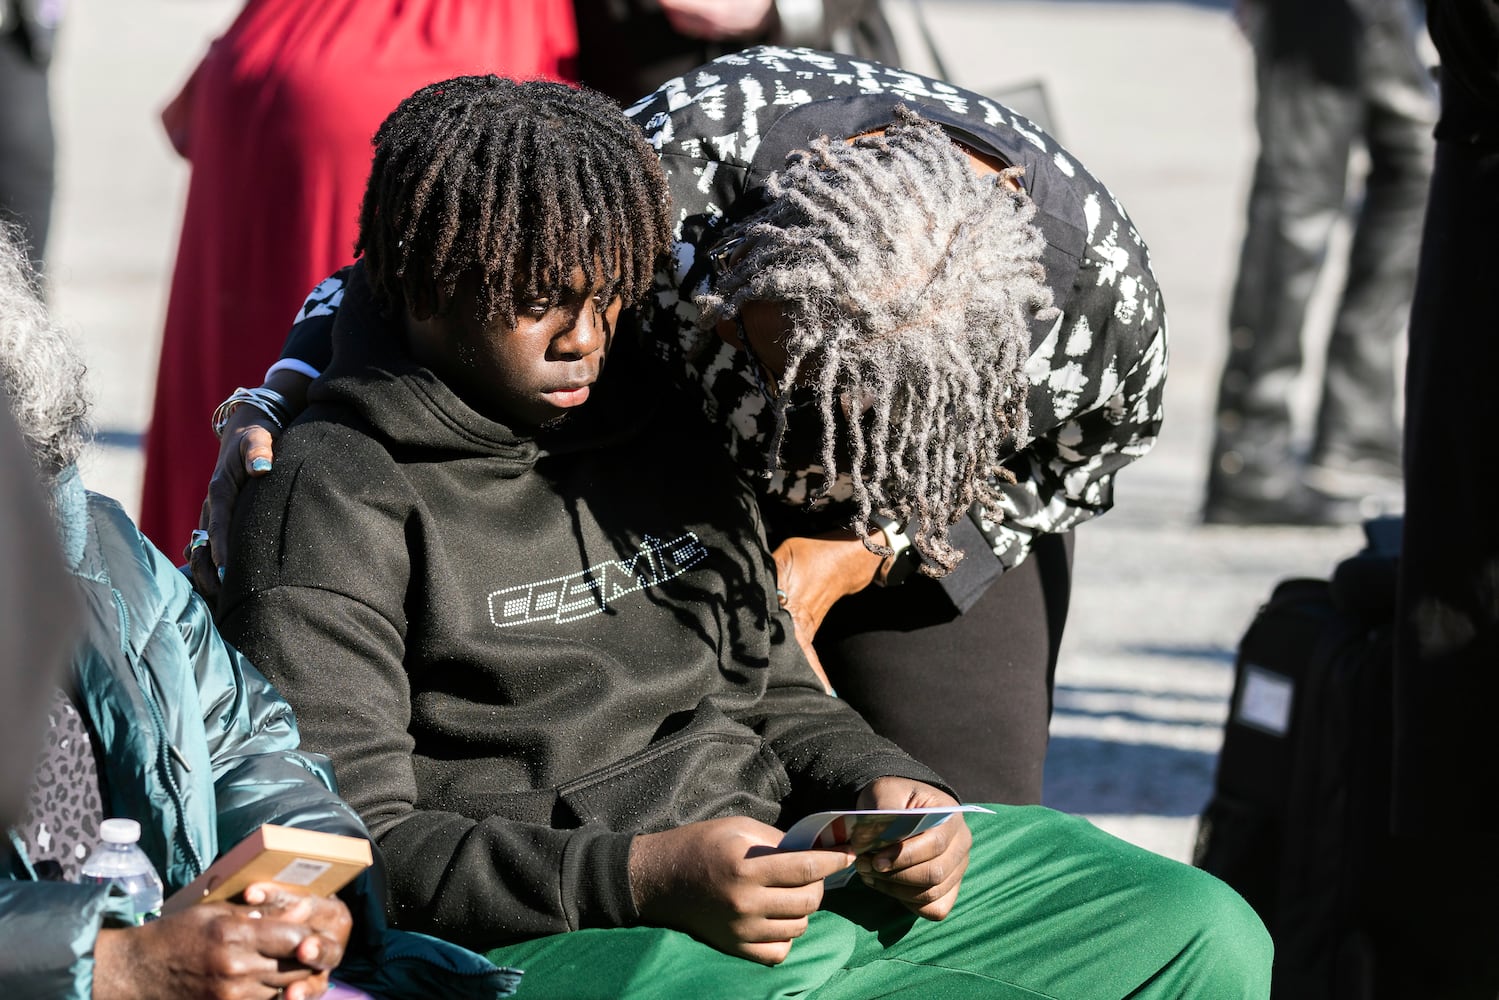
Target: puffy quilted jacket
x=199, y=748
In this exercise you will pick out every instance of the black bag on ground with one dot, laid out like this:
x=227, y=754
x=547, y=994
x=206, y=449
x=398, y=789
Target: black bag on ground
x=1299, y=818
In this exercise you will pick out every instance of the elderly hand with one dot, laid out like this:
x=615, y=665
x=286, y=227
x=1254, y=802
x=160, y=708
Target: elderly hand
x=813, y=573
x=326, y=919
x=225, y=951
x=245, y=450
x=923, y=872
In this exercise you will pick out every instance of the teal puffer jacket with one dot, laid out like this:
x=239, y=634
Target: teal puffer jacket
x=199, y=748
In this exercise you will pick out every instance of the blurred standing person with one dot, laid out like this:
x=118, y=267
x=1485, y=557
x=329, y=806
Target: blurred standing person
x=277, y=121
x=1447, y=622
x=628, y=48
x=1330, y=74
x=37, y=617
x=27, y=147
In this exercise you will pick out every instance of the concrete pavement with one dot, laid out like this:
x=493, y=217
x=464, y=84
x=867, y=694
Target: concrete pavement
x=1154, y=97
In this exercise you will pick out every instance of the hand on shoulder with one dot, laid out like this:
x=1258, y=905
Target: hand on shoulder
x=246, y=449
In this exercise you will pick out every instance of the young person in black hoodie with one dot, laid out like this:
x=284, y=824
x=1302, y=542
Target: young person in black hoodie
x=524, y=601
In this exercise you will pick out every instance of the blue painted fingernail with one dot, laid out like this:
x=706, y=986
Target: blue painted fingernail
x=260, y=465
x=221, y=574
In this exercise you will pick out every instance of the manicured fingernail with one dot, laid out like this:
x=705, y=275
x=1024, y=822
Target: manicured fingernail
x=221, y=574
x=260, y=465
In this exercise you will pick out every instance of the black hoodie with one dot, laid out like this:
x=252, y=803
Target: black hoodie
x=522, y=649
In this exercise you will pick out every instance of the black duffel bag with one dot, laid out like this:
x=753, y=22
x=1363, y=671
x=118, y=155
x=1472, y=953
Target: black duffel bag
x=1299, y=818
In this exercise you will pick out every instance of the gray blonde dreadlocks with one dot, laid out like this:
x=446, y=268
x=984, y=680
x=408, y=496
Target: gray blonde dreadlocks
x=908, y=281
x=516, y=183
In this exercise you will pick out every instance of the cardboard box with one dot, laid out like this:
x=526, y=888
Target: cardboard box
x=304, y=860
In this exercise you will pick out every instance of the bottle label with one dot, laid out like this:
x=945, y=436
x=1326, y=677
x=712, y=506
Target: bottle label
x=124, y=887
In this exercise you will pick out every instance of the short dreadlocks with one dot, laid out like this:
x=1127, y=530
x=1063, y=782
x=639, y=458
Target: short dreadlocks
x=908, y=281
x=517, y=184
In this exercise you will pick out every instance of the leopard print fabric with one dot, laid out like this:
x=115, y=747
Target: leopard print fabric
x=65, y=804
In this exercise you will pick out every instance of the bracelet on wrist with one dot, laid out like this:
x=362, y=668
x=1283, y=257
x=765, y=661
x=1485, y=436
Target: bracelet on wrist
x=901, y=561
x=268, y=401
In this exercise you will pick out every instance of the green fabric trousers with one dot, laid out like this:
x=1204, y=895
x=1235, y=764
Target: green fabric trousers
x=1051, y=906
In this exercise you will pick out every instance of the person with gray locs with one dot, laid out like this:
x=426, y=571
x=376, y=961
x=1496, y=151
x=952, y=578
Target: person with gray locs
x=156, y=719
x=931, y=384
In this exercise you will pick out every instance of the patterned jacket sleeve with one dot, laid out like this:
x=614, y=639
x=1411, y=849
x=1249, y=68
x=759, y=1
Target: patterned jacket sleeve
x=1097, y=382
x=309, y=344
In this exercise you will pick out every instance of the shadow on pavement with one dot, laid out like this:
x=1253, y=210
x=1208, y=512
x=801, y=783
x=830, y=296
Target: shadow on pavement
x=1102, y=777
x=1206, y=653
x=110, y=437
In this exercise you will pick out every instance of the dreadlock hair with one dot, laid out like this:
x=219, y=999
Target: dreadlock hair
x=516, y=184
x=908, y=281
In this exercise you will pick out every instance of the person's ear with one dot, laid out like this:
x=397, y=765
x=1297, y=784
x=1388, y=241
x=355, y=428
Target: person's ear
x=422, y=304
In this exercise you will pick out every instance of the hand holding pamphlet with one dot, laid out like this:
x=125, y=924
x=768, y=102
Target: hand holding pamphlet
x=865, y=830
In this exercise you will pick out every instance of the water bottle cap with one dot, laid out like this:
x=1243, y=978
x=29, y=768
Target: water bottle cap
x=119, y=831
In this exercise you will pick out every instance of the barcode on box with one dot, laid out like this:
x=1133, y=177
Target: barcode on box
x=303, y=871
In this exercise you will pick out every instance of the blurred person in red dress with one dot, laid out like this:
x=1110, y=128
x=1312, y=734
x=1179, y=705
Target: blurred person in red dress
x=277, y=121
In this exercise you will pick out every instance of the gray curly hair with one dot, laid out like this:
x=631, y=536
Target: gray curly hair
x=40, y=367
x=909, y=280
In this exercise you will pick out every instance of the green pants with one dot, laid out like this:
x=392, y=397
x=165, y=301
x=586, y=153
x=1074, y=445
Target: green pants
x=1051, y=907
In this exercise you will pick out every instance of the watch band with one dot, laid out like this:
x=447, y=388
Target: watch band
x=903, y=558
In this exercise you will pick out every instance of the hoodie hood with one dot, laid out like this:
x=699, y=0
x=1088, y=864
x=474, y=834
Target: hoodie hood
x=374, y=374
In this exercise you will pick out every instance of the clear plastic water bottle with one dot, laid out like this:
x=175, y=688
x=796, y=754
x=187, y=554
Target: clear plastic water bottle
x=119, y=859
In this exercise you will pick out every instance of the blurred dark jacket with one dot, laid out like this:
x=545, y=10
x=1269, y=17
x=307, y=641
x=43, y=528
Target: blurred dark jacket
x=1324, y=34
x=1466, y=34
x=627, y=48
